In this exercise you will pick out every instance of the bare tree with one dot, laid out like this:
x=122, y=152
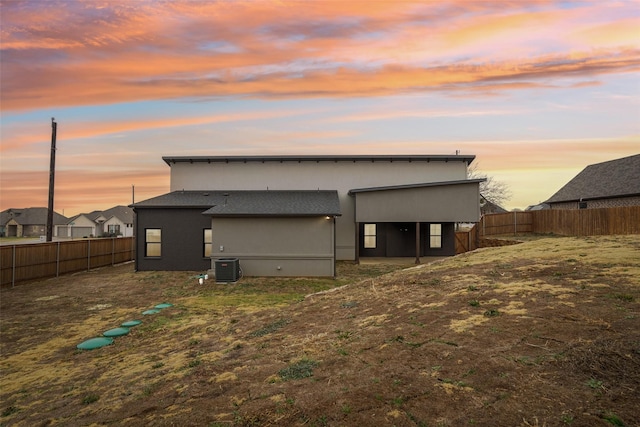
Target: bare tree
x=496, y=192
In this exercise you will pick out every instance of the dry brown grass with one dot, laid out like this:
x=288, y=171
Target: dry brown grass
x=542, y=333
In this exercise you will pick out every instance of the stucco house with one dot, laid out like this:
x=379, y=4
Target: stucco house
x=27, y=222
x=601, y=185
x=116, y=222
x=297, y=215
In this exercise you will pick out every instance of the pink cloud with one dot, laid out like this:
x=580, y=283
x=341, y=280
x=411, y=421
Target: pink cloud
x=146, y=51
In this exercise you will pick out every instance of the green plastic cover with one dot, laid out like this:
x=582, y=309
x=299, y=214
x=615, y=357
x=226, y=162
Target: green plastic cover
x=131, y=323
x=116, y=332
x=94, y=343
x=152, y=311
x=164, y=305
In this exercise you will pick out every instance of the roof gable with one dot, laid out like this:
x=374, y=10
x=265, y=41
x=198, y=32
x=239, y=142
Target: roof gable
x=123, y=213
x=615, y=178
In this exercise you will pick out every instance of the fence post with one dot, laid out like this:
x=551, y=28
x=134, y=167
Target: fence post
x=88, y=254
x=13, y=267
x=58, y=261
x=113, y=251
x=515, y=223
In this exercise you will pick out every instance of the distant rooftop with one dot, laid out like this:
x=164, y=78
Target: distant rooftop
x=615, y=178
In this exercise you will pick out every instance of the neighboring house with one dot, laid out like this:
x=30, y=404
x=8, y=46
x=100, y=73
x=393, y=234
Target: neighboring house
x=602, y=185
x=538, y=207
x=488, y=207
x=114, y=222
x=27, y=222
x=296, y=215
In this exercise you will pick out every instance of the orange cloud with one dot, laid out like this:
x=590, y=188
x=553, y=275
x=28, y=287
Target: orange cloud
x=148, y=51
x=23, y=134
x=81, y=190
x=341, y=82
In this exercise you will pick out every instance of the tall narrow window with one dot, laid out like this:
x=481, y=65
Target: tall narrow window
x=153, y=242
x=435, y=235
x=208, y=242
x=369, y=236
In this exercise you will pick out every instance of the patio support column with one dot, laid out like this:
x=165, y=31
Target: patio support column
x=417, y=242
x=357, y=260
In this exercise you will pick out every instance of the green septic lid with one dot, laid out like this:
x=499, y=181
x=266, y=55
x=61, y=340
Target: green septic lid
x=94, y=343
x=131, y=323
x=116, y=332
x=153, y=311
x=164, y=305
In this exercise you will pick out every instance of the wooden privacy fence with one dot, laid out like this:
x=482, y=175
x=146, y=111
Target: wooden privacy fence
x=564, y=222
x=466, y=240
x=587, y=222
x=506, y=223
x=19, y=263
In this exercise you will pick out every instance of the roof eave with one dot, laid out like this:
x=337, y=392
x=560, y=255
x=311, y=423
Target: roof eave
x=417, y=185
x=169, y=160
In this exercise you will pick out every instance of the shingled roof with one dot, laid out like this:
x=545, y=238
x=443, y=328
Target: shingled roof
x=612, y=179
x=123, y=213
x=30, y=216
x=251, y=203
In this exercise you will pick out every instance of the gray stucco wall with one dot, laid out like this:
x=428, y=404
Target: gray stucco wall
x=446, y=203
x=311, y=175
x=182, y=239
x=302, y=246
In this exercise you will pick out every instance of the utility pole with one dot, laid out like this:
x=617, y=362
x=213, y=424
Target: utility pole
x=52, y=174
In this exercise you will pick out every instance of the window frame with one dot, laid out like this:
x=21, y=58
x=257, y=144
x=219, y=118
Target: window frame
x=435, y=236
x=207, y=244
x=148, y=244
x=368, y=237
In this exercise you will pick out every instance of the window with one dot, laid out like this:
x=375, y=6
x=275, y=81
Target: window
x=114, y=229
x=208, y=242
x=435, y=235
x=153, y=242
x=369, y=236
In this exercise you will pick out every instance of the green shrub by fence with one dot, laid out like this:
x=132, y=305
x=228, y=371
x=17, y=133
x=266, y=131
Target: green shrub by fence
x=23, y=262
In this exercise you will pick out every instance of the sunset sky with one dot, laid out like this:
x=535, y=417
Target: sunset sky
x=537, y=90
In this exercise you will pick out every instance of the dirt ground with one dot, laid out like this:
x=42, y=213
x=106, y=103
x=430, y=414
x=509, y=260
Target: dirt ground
x=544, y=333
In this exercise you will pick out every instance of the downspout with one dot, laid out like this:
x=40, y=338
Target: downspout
x=134, y=240
x=417, y=242
x=335, y=270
